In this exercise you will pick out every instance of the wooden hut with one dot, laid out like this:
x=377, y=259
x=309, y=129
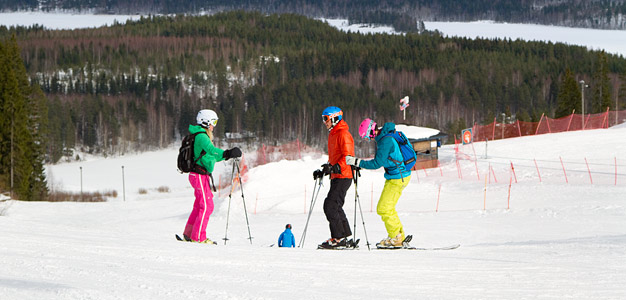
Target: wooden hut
x=426, y=142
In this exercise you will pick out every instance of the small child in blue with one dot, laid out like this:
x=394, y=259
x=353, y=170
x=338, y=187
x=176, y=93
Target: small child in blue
x=286, y=238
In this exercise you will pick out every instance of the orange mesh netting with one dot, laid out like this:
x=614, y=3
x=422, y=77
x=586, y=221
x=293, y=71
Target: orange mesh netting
x=496, y=130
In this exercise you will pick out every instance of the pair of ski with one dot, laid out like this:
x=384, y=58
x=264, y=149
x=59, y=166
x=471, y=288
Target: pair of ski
x=406, y=246
x=186, y=239
x=350, y=245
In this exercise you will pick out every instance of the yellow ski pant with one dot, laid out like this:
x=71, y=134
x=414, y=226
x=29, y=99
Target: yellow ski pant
x=386, y=207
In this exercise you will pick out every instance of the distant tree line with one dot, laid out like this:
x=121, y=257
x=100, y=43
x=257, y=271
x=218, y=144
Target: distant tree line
x=138, y=86
x=402, y=14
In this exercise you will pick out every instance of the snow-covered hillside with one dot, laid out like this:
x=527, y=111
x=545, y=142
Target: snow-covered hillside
x=557, y=240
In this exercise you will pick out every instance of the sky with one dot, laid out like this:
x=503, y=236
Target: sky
x=551, y=227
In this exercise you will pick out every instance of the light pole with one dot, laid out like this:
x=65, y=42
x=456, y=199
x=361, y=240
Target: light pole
x=81, y=184
x=582, y=92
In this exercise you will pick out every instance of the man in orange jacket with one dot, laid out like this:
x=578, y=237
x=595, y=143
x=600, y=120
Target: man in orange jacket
x=340, y=144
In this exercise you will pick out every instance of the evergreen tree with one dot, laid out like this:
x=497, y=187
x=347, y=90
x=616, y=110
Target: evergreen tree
x=569, y=96
x=22, y=145
x=621, y=99
x=601, y=99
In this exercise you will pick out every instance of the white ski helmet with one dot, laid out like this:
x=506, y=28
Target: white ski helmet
x=206, y=117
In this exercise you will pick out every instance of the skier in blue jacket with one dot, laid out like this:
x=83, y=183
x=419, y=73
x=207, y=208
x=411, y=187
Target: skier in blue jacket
x=286, y=239
x=397, y=177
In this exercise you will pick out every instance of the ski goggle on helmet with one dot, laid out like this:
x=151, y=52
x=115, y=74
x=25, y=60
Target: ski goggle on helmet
x=207, y=117
x=366, y=130
x=332, y=113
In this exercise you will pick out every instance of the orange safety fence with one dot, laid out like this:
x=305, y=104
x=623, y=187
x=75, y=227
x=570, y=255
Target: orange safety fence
x=573, y=122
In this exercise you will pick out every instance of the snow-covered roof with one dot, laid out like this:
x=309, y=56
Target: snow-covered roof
x=416, y=132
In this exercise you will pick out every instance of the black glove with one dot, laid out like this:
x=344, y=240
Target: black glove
x=318, y=174
x=326, y=169
x=331, y=169
x=231, y=153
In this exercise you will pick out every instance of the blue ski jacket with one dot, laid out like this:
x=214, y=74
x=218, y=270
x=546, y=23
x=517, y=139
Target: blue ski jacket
x=387, y=147
x=286, y=239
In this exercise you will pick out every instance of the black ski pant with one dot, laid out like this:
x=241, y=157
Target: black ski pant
x=333, y=207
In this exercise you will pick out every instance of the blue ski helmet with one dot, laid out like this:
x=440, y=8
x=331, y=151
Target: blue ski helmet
x=332, y=113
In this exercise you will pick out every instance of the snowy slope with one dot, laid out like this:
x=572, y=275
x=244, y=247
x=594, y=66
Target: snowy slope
x=557, y=240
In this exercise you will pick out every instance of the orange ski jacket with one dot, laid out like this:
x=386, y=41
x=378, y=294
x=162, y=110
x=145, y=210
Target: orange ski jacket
x=340, y=144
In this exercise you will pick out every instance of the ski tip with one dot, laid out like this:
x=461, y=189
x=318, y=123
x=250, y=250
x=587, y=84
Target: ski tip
x=408, y=238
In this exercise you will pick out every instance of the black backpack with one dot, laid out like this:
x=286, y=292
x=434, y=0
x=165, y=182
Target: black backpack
x=186, y=163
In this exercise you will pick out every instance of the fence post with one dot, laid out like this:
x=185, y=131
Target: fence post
x=440, y=170
x=562, y=165
x=519, y=130
x=418, y=176
x=589, y=170
x=548, y=123
x=536, y=166
x=539, y=124
x=508, y=199
x=513, y=170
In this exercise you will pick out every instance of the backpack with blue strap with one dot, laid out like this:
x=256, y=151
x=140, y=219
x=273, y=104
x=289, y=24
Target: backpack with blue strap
x=409, y=158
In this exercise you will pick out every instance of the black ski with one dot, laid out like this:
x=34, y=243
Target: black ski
x=352, y=245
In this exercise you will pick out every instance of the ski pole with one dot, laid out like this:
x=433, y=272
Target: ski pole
x=236, y=163
x=358, y=200
x=230, y=196
x=312, y=206
x=354, y=174
x=318, y=185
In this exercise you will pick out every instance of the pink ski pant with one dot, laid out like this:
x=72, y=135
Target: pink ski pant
x=202, y=207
